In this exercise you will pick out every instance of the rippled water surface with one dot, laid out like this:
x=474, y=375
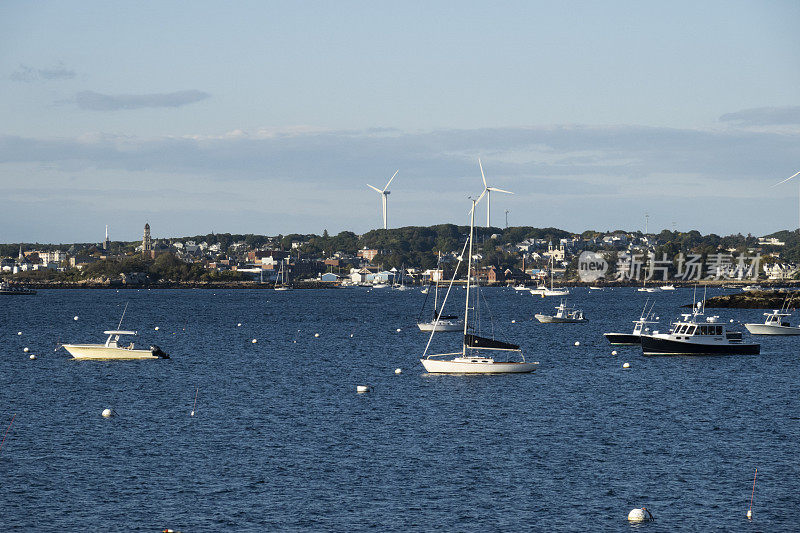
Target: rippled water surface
x=281, y=441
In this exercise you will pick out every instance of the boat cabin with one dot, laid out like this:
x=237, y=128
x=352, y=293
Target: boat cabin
x=113, y=338
x=775, y=318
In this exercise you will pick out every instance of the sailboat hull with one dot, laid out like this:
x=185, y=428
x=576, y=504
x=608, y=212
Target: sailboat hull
x=475, y=366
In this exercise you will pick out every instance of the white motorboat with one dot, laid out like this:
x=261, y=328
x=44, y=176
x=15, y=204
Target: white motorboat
x=520, y=288
x=593, y=288
x=775, y=324
x=564, y=315
x=751, y=288
x=667, y=287
x=473, y=357
x=113, y=350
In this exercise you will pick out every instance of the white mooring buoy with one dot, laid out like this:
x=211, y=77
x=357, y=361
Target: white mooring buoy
x=254, y=341
x=513, y=321
x=316, y=335
x=239, y=325
x=399, y=330
x=363, y=388
x=107, y=413
x=613, y=352
x=75, y=317
x=577, y=343
x=26, y=349
x=626, y=365
x=32, y=357
x=19, y=333
x=398, y=370
x=637, y=515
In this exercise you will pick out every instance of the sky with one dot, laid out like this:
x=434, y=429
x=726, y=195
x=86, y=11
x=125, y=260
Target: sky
x=272, y=117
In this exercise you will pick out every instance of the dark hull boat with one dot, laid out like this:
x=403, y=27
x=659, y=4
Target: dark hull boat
x=652, y=345
x=623, y=338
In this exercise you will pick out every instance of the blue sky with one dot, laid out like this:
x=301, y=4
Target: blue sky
x=270, y=117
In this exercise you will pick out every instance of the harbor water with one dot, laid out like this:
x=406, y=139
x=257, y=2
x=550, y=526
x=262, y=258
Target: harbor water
x=280, y=440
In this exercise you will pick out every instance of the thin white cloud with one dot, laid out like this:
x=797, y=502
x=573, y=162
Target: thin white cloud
x=28, y=74
x=107, y=102
x=764, y=116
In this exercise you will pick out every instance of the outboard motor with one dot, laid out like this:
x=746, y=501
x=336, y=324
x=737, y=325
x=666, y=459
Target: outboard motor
x=158, y=352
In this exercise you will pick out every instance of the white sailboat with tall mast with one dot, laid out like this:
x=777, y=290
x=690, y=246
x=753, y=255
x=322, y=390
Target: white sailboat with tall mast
x=439, y=322
x=542, y=290
x=473, y=357
x=282, y=281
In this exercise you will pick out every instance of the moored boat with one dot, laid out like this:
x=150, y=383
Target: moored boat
x=113, y=350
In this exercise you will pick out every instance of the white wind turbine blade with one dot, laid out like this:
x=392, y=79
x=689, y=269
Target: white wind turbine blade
x=390, y=180
x=482, y=176
x=787, y=179
x=374, y=188
x=495, y=189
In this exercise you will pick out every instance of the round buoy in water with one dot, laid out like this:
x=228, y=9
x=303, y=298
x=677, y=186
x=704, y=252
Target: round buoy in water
x=75, y=317
x=577, y=343
x=351, y=335
x=626, y=365
x=156, y=328
x=239, y=325
x=32, y=357
x=316, y=335
x=107, y=413
x=362, y=388
x=637, y=515
x=254, y=341
x=399, y=330
x=513, y=321
x=26, y=349
x=613, y=352
x=19, y=333
x=731, y=321
x=398, y=370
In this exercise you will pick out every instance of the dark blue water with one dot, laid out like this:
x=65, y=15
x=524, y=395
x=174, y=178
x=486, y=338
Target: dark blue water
x=281, y=440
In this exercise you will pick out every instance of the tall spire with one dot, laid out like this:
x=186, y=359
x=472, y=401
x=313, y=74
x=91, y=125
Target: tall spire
x=106, y=241
x=147, y=244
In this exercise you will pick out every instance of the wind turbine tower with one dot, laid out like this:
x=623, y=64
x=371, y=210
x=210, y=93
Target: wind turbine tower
x=488, y=191
x=384, y=195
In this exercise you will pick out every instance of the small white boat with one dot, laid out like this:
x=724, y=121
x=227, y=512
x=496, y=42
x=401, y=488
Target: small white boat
x=543, y=291
x=564, y=315
x=520, y=288
x=751, y=288
x=647, y=289
x=379, y=285
x=439, y=322
x=640, y=327
x=112, y=349
x=775, y=323
x=667, y=287
x=593, y=288
x=425, y=290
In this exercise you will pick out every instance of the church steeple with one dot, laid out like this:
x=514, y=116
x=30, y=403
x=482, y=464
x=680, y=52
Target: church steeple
x=147, y=244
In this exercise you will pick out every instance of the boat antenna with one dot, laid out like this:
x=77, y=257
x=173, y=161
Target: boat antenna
x=123, y=315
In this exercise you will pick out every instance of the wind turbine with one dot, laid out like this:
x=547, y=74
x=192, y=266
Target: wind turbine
x=784, y=181
x=488, y=192
x=384, y=193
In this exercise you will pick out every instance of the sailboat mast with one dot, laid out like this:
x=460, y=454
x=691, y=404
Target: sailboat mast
x=436, y=289
x=469, y=276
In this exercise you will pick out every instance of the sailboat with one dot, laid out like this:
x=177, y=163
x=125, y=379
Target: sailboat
x=473, y=357
x=439, y=322
x=542, y=290
x=282, y=281
x=402, y=285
